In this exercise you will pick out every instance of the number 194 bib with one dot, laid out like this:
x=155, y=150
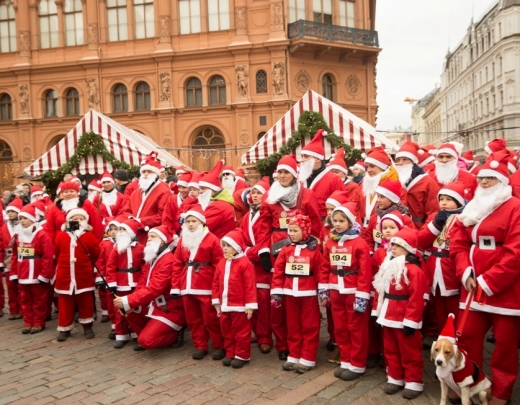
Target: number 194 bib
x=341, y=256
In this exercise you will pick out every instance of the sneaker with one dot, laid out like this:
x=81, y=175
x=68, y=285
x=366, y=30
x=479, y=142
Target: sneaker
x=37, y=329
x=119, y=344
x=283, y=354
x=63, y=336
x=105, y=318
x=218, y=354
x=391, y=389
x=26, y=330
x=226, y=361
x=349, y=375
x=301, y=369
x=198, y=354
x=288, y=366
x=373, y=360
x=334, y=356
x=411, y=394
x=138, y=348
x=237, y=363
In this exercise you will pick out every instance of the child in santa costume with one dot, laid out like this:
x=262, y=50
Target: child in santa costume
x=32, y=268
x=171, y=214
x=110, y=202
x=345, y=285
x=234, y=298
x=75, y=277
x=398, y=306
x=123, y=272
x=296, y=277
x=195, y=259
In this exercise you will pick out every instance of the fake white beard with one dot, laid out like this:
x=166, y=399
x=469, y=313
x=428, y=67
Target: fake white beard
x=370, y=184
x=144, y=184
x=92, y=195
x=205, y=198
x=26, y=234
x=484, y=202
x=123, y=240
x=277, y=192
x=404, y=172
x=228, y=183
x=110, y=198
x=446, y=172
x=151, y=249
x=391, y=271
x=67, y=205
x=306, y=169
x=191, y=240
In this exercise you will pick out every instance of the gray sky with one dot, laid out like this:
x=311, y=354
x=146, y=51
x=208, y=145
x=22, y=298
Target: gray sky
x=414, y=36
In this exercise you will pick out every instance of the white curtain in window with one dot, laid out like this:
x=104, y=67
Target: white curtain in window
x=144, y=19
x=7, y=28
x=189, y=11
x=117, y=20
x=218, y=15
x=73, y=22
x=48, y=24
x=296, y=10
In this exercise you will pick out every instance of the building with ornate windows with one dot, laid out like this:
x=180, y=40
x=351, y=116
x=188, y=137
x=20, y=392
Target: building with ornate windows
x=204, y=78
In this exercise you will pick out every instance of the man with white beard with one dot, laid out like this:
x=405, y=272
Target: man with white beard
x=421, y=189
x=94, y=190
x=230, y=181
x=447, y=171
x=110, y=201
x=146, y=204
x=485, y=249
x=160, y=323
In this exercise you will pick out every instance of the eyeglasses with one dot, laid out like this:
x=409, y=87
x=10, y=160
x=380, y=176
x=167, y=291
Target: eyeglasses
x=486, y=178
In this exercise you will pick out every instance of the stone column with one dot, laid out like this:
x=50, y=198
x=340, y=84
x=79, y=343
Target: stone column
x=24, y=32
x=163, y=13
x=92, y=41
x=241, y=33
x=277, y=21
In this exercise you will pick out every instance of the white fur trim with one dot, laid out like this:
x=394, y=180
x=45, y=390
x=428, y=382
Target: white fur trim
x=484, y=285
x=195, y=214
x=488, y=149
x=259, y=188
x=467, y=273
x=351, y=217
x=194, y=185
x=426, y=161
x=313, y=154
x=28, y=216
x=493, y=173
x=227, y=171
x=231, y=243
x=494, y=164
x=401, y=242
x=77, y=211
x=12, y=208
x=211, y=186
x=110, y=179
x=338, y=167
x=408, y=155
x=392, y=217
x=182, y=183
x=449, y=151
x=511, y=167
x=388, y=194
x=288, y=168
x=128, y=229
x=452, y=194
x=375, y=162
x=332, y=201
x=160, y=234
x=151, y=168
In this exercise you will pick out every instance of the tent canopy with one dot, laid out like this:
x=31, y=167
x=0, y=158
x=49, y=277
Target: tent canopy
x=124, y=143
x=353, y=130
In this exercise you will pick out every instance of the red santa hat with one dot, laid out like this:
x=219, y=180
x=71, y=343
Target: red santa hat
x=69, y=185
x=36, y=190
x=304, y=223
x=496, y=145
x=151, y=164
x=349, y=209
x=455, y=190
x=228, y=169
x=15, y=205
x=275, y=174
x=448, y=332
x=496, y=166
x=409, y=150
x=162, y=232
x=337, y=198
x=359, y=165
x=235, y=239
x=288, y=163
x=179, y=170
x=338, y=162
x=425, y=158
x=511, y=164
x=263, y=185
x=378, y=157
x=448, y=148
x=197, y=212
x=240, y=174
x=77, y=211
x=395, y=216
x=39, y=207
x=58, y=189
x=75, y=179
x=390, y=189
x=116, y=222
x=132, y=227
x=195, y=178
x=211, y=179
x=468, y=157
x=315, y=147
x=29, y=212
x=95, y=185
x=107, y=177
x=184, y=179
x=407, y=239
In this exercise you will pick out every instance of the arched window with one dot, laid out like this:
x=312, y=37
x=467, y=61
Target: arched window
x=7, y=27
x=6, y=107
x=261, y=81
x=72, y=100
x=51, y=103
x=193, y=92
x=260, y=135
x=142, y=96
x=48, y=13
x=217, y=90
x=120, y=97
x=327, y=87
x=6, y=167
x=54, y=141
x=206, y=138
x=73, y=22
x=144, y=19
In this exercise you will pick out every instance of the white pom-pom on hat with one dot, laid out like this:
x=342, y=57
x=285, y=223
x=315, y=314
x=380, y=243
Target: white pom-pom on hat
x=420, y=152
x=494, y=164
x=363, y=155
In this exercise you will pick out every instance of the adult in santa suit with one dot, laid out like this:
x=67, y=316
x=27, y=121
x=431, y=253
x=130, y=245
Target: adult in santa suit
x=110, y=201
x=146, y=204
x=485, y=250
x=94, y=190
x=70, y=199
x=230, y=181
x=421, y=189
x=171, y=214
x=159, y=325
x=447, y=171
x=242, y=201
x=315, y=175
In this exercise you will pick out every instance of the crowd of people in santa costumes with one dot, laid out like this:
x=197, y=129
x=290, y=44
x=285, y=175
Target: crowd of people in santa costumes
x=387, y=253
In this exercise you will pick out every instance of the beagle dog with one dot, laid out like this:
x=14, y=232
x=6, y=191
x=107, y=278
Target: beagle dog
x=459, y=373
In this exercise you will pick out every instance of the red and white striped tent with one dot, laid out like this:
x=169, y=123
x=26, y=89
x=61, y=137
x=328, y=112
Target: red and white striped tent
x=124, y=143
x=356, y=132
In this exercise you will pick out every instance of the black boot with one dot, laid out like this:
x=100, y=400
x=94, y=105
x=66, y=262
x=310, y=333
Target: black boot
x=63, y=336
x=179, y=342
x=87, y=331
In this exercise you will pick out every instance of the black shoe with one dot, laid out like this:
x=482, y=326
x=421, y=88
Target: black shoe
x=26, y=330
x=373, y=360
x=237, y=363
x=330, y=345
x=63, y=336
x=119, y=344
x=88, y=332
x=218, y=354
x=179, y=342
x=105, y=318
x=226, y=361
x=112, y=335
x=491, y=338
x=138, y=348
x=198, y=354
x=282, y=355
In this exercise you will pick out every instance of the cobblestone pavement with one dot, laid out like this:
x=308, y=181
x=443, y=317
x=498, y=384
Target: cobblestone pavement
x=36, y=369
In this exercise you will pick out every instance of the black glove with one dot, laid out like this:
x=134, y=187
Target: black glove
x=15, y=281
x=175, y=296
x=265, y=261
x=408, y=331
x=113, y=290
x=102, y=287
x=312, y=244
x=441, y=218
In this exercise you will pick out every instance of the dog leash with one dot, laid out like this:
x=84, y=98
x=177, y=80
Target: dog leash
x=464, y=316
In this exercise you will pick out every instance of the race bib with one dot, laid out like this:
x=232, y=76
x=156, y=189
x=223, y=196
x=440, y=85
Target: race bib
x=284, y=218
x=298, y=266
x=341, y=256
x=25, y=251
x=438, y=242
x=283, y=223
x=377, y=236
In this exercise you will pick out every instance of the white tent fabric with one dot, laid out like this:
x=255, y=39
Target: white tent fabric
x=124, y=143
x=355, y=132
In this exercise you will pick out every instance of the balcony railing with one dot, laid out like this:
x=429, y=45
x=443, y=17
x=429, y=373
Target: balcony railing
x=329, y=32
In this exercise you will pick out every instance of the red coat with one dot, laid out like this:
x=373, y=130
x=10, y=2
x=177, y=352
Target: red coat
x=74, y=271
x=240, y=184
x=323, y=186
x=421, y=197
x=108, y=212
x=6, y=234
x=490, y=250
x=372, y=235
x=296, y=259
x=220, y=218
x=351, y=249
x=470, y=183
x=32, y=271
x=171, y=214
x=514, y=182
x=355, y=195
x=124, y=269
x=196, y=279
x=241, y=205
x=234, y=285
x=130, y=188
x=105, y=247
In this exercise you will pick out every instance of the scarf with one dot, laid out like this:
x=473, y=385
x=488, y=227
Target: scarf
x=315, y=174
x=396, y=206
x=416, y=171
x=355, y=230
x=358, y=179
x=291, y=198
x=254, y=209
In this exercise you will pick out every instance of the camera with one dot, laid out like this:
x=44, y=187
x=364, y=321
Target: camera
x=73, y=226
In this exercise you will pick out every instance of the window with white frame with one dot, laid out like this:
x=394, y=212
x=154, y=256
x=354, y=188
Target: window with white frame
x=144, y=19
x=189, y=13
x=347, y=13
x=322, y=11
x=117, y=20
x=73, y=22
x=296, y=10
x=218, y=15
x=48, y=14
x=7, y=27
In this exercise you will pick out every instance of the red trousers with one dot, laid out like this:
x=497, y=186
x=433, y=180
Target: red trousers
x=34, y=303
x=103, y=300
x=261, y=320
x=504, y=359
x=303, y=327
x=152, y=333
x=68, y=303
x=2, y=289
x=13, y=299
x=202, y=320
x=122, y=327
x=443, y=307
x=351, y=331
x=403, y=355
x=279, y=326
x=330, y=324
x=237, y=334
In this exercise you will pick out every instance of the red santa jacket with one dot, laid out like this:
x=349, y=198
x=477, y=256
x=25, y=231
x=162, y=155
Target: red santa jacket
x=372, y=233
x=130, y=188
x=171, y=214
x=378, y=258
x=6, y=235
x=74, y=271
x=323, y=186
x=107, y=212
x=220, y=215
x=355, y=195
x=403, y=307
x=296, y=271
x=32, y=258
x=514, y=182
x=105, y=247
x=470, y=183
x=153, y=290
x=193, y=271
x=490, y=252
x=241, y=204
x=346, y=267
x=240, y=184
x=421, y=198
x=234, y=285
x=124, y=269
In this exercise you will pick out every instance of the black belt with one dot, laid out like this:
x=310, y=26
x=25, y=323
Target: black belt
x=496, y=243
x=130, y=270
x=299, y=275
x=197, y=265
x=396, y=297
x=30, y=257
x=279, y=230
x=343, y=273
x=441, y=254
x=418, y=219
